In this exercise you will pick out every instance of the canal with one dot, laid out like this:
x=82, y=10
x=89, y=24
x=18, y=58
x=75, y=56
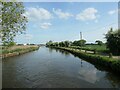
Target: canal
x=51, y=68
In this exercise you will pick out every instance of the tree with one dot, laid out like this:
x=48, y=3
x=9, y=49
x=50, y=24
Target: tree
x=11, y=44
x=99, y=42
x=79, y=43
x=49, y=43
x=113, y=41
x=13, y=21
x=67, y=43
x=61, y=44
x=82, y=42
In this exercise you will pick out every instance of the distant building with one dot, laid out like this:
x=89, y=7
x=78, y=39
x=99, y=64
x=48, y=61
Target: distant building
x=24, y=44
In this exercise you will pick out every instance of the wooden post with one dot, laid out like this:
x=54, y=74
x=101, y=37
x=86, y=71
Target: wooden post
x=110, y=55
x=94, y=51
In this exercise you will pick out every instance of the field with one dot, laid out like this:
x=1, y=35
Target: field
x=97, y=48
x=16, y=49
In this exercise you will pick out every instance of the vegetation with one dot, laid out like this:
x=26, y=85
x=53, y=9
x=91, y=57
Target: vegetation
x=112, y=46
x=92, y=47
x=13, y=21
x=113, y=41
x=110, y=63
x=79, y=43
x=17, y=50
x=99, y=42
x=61, y=44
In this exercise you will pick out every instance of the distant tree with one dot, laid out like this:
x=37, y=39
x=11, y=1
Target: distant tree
x=50, y=43
x=82, y=42
x=13, y=21
x=67, y=43
x=61, y=44
x=99, y=42
x=11, y=44
x=79, y=43
x=113, y=41
x=56, y=44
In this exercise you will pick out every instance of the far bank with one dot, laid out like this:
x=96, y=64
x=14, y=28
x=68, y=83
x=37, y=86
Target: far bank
x=17, y=50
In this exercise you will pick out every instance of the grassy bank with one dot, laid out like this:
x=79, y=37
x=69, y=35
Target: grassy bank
x=17, y=50
x=112, y=64
x=98, y=48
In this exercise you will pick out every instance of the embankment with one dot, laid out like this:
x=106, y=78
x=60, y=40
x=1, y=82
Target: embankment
x=98, y=60
x=18, y=50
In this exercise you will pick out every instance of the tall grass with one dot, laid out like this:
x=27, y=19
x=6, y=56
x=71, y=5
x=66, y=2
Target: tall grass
x=5, y=51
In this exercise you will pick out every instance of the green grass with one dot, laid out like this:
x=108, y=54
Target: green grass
x=98, y=48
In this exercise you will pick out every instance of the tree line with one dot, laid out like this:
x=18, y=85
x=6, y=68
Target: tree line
x=112, y=42
x=81, y=43
x=67, y=43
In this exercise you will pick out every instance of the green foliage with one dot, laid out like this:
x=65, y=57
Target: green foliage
x=113, y=41
x=13, y=21
x=67, y=43
x=50, y=43
x=110, y=63
x=99, y=42
x=11, y=44
x=61, y=44
x=79, y=43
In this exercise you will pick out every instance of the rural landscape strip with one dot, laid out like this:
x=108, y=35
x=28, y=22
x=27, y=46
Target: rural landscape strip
x=18, y=51
x=112, y=64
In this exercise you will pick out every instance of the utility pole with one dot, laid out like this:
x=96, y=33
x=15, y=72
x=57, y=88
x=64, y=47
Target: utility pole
x=80, y=35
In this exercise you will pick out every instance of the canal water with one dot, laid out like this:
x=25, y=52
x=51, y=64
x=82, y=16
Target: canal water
x=51, y=68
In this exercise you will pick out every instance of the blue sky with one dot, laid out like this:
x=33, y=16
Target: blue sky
x=59, y=21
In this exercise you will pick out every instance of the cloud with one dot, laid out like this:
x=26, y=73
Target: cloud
x=45, y=25
x=113, y=11
x=36, y=14
x=62, y=15
x=87, y=14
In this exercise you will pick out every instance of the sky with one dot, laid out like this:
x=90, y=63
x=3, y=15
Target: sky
x=60, y=21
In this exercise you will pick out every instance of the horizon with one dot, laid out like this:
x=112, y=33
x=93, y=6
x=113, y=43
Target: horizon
x=61, y=21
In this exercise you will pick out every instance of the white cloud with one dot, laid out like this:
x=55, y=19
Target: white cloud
x=62, y=15
x=113, y=11
x=45, y=25
x=87, y=14
x=36, y=14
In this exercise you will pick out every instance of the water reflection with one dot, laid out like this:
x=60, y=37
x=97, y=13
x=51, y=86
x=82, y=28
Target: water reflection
x=114, y=79
x=60, y=51
x=91, y=74
x=81, y=63
x=54, y=68
x=88, y=74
